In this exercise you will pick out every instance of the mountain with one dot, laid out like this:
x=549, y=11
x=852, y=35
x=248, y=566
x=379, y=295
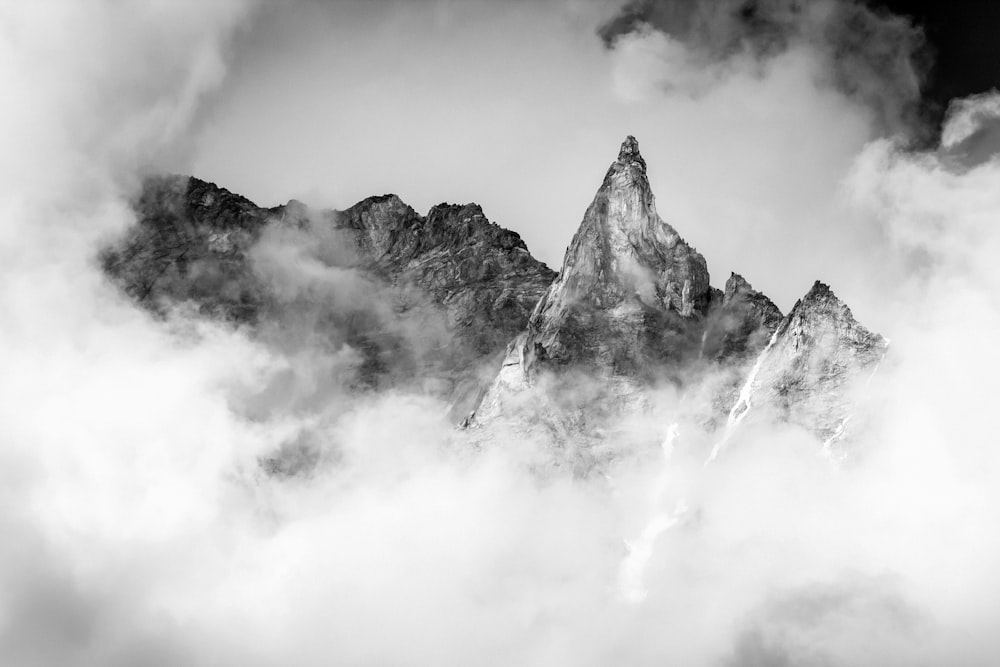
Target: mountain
x=742, y=324
x=452, y=305
x=633, y=311
x=422, y=301
x=805, y=373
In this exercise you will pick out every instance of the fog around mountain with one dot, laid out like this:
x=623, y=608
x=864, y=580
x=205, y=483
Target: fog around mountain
x=155, y=511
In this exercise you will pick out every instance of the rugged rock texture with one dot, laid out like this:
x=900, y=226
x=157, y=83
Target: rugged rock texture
x=742, y=324
x=480, y=272
x=628, y=303
x=190, y=244
x=808, y=372
x=630, y=288
x=633, y=309
x=416, y=297
x=430, y=303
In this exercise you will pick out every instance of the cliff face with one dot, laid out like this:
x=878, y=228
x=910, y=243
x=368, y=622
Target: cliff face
x=482, y=274
x=806, y=374
x=454, y=305
x=633, y=308
x=630, y=290
x=632, y=304
x=742, y=324
x=418, y=299
x=190, y=244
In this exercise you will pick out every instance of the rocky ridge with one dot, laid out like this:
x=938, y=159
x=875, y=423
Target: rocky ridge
x=417, y=298
x=804, y=376
x=633, y=308
x=454, y=305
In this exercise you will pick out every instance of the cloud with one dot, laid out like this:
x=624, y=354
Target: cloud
x=141, y=529
x=875, y=58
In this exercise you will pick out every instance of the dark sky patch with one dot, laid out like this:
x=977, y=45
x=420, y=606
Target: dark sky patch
x=906, y=59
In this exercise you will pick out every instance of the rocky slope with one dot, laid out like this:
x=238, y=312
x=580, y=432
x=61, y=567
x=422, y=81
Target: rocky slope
x=416, y=298
x=633, y=309
x=454, y=305
x=742, y=324
x=811, y=368
x=632, y=304
x=628, y=305
x=626, y=272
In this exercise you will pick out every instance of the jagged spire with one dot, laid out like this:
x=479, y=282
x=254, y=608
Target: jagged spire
x=736, y=284
x=623, y=259
x=820, y=289
x=629, y=153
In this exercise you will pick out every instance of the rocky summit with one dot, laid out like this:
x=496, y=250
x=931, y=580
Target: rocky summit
x=453, y=305
x=416, y=302
x=626, y=272
x=633, y=308
x=804, y=374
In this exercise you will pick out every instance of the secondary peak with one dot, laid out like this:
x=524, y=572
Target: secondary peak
x=630, y=152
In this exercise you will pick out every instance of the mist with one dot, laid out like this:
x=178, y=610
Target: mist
x=141, y=527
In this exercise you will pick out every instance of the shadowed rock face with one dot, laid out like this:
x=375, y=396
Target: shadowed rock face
x=630, y=297
x=631, y=303
x=741, y=324
x=430, y=302
x=630, y=287
x=481, y=273
x=818, y=352
x=190, y=244
x=633, y=308
x=416, y=297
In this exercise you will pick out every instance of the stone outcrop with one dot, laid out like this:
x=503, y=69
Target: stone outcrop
x=630, y=288
x=190, y=244
x=741, y=324
x=433, y=296
x=630, y=298
x=481, y=273
x=632, y=309
x=452, y=304
x=808, y=373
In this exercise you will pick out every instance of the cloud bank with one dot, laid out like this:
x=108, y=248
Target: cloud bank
x=140, y=527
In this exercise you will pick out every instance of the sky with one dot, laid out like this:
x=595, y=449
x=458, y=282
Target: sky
x=749, y=129
x=788, y=144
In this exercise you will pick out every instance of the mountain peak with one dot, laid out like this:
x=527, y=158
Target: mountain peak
x=736, y=284
x=804, y=373
x=631, y=294
x=629, y=153
x=624, y=252
x=819, y=290
x=821, y=303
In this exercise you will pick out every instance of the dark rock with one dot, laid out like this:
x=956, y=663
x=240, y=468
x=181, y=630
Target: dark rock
x=631, y=293
x=424, y=298
x=190, y=245
x=632, y=308
x=436, y=302
x=806, y=374
x=481, y=273
x=741, y=324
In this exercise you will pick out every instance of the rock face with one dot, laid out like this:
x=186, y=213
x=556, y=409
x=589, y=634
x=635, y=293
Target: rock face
x=805, y=374
x=631, y=295
x=481, y=273
x=633, y=308
x=190, y=244
x=415, y=297
x=742, y=323
x=630, y=287
x=632, y=304
x=454, y=305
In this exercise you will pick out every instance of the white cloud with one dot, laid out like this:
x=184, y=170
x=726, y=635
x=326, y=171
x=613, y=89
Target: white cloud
x=139, y=528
